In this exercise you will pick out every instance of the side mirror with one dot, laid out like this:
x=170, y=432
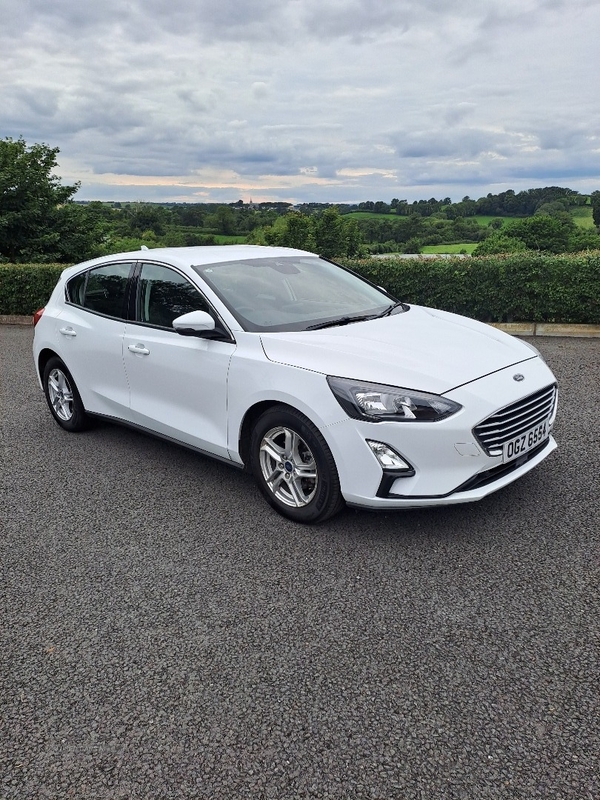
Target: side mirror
x=194, y=323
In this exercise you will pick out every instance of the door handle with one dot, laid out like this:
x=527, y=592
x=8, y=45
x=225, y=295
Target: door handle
x=67, y=331
x=139, y=349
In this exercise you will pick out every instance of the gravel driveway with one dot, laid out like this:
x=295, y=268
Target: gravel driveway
x=164, y=634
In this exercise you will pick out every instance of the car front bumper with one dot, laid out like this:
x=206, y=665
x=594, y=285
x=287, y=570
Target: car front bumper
x=449, y=463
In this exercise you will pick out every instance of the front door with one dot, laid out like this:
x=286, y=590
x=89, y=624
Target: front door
x=178, y=384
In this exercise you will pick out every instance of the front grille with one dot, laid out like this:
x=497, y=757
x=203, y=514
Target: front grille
x=514, y=420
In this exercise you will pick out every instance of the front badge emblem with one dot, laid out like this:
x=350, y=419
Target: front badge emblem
x=518, y=377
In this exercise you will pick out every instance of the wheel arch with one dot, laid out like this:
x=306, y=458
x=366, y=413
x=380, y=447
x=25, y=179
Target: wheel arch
x=44, y=356
x=324, y=498
x=248, y=422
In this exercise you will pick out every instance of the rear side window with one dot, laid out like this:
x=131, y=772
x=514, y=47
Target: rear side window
x=103, y=289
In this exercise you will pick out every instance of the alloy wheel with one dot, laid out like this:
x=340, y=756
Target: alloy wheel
x=288, y=467
x=60, y=394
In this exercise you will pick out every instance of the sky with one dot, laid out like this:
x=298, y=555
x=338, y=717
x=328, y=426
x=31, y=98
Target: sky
x=305, y=100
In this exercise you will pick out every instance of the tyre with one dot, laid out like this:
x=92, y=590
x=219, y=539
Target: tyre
x=63, y=398
x=294, y=466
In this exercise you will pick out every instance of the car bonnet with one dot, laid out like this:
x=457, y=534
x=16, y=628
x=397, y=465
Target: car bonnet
x=422, y=349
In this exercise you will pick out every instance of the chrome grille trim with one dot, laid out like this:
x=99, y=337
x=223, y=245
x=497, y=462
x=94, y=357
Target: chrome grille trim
x=515, y=419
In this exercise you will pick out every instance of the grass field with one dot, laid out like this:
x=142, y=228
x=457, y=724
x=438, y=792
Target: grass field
x=482, y=219
x=449, y=248
x=369, y=215
x=583, y=216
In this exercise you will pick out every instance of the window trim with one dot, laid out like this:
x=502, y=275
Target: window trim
x=132, y=293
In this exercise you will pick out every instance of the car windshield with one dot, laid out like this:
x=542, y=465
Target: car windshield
x=293, y=293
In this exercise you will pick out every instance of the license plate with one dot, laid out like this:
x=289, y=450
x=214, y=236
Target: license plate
x=527, y=441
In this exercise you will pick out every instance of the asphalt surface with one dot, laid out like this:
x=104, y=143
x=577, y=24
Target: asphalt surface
x=165, y=634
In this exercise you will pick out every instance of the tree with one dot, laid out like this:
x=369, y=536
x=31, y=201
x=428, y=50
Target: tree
x=542, y=232
x=381, y=208
x=225, y=220
x=191, y=215
x=583, y=239
x=413, y=246
x=80, y=231
x=299, y=232
x=499, y=242
x=335, y=236
x=147, y=217
x=595, y=200
x=329, y=234
x=31, y=196
x=554, y=209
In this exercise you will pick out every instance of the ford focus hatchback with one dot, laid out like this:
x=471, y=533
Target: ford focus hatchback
x=325, y=387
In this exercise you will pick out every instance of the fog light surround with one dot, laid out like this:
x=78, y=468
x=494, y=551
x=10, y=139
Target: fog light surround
x=388, y=458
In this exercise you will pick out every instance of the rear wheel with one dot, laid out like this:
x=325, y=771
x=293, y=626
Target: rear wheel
x=294, y=467
x=63, y=398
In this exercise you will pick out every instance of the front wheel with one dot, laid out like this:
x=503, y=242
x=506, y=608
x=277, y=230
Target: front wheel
x=63, y=398
x=294, y=466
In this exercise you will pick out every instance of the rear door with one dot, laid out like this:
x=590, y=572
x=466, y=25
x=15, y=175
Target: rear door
x=90, y=333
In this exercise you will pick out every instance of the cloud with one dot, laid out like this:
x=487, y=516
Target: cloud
x=457, y=113
x=463, y=143
x=351, y=97
x=259, y=89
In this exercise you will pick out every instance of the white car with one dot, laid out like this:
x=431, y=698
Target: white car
x=275, y=360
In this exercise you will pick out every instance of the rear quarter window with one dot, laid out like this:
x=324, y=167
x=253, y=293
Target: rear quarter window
x=76, y=289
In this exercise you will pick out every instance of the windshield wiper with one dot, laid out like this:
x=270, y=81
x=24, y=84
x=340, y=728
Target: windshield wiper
x=392, y=308
x=339, y=321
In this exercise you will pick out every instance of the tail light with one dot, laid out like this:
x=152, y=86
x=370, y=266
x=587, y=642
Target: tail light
x=37, y=316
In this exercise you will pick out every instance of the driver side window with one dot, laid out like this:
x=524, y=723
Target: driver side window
x=164, y=294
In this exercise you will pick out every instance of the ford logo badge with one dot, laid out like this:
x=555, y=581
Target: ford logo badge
x=518, y=377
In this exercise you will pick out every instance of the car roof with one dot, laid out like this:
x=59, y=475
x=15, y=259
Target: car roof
x=186, y=257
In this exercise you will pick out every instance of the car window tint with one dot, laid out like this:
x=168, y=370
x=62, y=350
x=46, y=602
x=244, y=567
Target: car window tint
x=76, y=289
x=106, y=289
x=164, y=295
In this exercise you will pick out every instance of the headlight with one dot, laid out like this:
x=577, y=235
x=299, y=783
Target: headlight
x=376, y=402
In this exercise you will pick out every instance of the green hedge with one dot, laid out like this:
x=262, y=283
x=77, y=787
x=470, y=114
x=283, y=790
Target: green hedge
x=522, y=287
x=26, y=287
x=518, y=287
